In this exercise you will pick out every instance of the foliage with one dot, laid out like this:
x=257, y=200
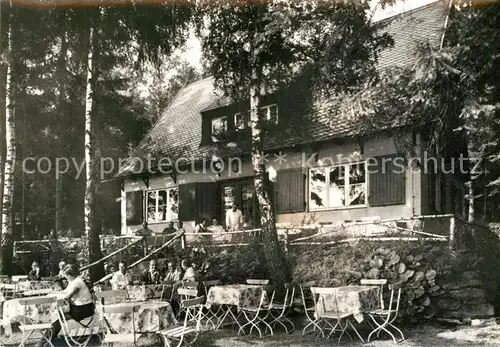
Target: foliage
x=283, y=40
x=255, y=49
x=231, y=264
x=450, y=92
x=480, y=249
x=426, y=268
x=167, y=80
x=50, y=55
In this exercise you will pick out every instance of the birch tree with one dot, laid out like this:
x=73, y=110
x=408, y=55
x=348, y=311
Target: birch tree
x=10, y=139
x=258, y=48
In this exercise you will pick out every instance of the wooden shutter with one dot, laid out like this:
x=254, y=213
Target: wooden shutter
x=387, y=184
x=206, y=130
x=187, y=202
x=135, y=207
x=290, y=191
x=207, y=201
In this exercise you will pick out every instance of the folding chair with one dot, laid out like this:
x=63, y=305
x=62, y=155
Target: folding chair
x=279, y=310
x=7, y=291
x=190, y=284
x=308, y=303
x=326, y=315
x=28, y=329
x=253, y=314
x=111, y=337
x=257, y=282
x=74, y=337
x=186, y=294
x=180, y=334
x=378, y=282
x=168, y=284
x=384, y=318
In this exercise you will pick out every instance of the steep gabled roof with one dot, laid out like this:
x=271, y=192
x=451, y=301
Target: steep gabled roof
x=177, y=134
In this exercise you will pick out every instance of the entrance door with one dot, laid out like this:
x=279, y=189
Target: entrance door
x=243, y=194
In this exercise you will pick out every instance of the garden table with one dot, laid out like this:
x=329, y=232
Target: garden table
x=238, y=295
x=150, y=317
x=37, y=285
x=14, y=311
x=145, y=292
x=350, y=299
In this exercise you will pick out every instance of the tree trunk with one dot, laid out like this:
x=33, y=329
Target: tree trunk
x=10, y=148
x=470, y=183
x=91, y=231
x=2, y=136
x=277, y=264
x=61, y=66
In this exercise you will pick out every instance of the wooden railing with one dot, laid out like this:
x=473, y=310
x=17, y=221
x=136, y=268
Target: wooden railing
x=112, y=254
x=389, y=230
x=174, y=238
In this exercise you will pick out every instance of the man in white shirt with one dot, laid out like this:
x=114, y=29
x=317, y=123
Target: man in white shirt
x=234, y=219
x=120, y=279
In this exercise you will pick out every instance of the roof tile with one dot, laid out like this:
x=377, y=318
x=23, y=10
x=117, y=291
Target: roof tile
x=177, y=134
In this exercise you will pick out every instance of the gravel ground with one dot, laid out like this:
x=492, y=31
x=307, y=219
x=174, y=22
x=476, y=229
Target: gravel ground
x=422, y=336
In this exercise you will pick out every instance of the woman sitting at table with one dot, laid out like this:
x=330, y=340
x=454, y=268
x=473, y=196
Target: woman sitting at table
x=173, y=273
x=81, y=304
x=34, y=274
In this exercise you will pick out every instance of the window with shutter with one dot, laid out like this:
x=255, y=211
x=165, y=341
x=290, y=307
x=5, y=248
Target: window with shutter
x=187, y=202
x=135, y=207
x=337, y=186
x=290, y=191
x=387, y=180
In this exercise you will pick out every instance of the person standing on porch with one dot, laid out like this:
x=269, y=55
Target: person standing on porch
x=145, y=231
x=234, y=219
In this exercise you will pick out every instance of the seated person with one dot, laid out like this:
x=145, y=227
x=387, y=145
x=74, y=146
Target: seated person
x=216, y=228
x=145, y=231
x=34, y=274
x=151, y=275
x=190, y=274
x=173, y=273
x=81, y=304
x=170, y=229
x=120, y=279
x=202, y=227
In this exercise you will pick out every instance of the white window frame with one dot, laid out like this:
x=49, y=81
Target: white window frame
x=268, y=116
x=347, y=185
x=157, y=204
x=212, y=124
x=268, y=112
x=246, y=125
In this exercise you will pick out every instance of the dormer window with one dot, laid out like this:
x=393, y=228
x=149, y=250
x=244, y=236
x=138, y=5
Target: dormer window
x=219, y=126
x=242, y=120
x=268, y=112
